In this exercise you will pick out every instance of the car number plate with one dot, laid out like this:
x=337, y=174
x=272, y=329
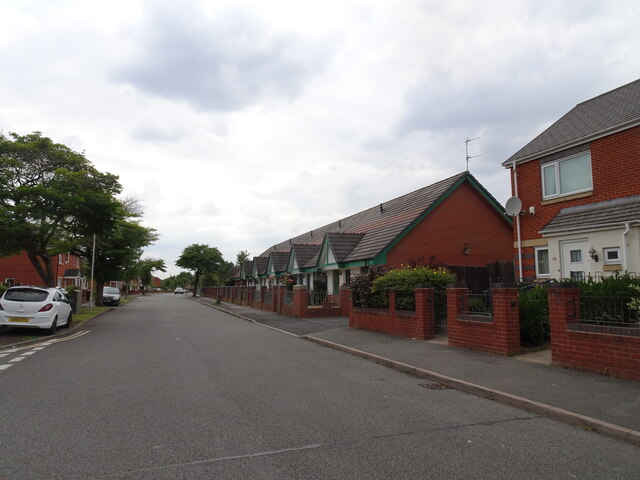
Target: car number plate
x=19, y=319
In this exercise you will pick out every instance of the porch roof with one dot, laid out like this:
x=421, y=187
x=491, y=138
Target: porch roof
x=595, y=215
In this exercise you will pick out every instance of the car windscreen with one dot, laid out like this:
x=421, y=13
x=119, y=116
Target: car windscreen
x=26, y=295
x=110, y=290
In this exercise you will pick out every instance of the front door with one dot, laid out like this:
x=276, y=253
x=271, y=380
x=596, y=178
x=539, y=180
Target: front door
x=575, y=260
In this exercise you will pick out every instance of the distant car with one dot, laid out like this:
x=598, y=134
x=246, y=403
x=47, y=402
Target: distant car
x=35, y=307
x=110, y=296
x=179, y=290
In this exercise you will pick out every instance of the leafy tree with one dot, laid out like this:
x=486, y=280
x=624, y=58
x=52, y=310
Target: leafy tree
x=146, y=266
x=201, y=260
x=242, y=256
x=183, y=279
x=50, y=198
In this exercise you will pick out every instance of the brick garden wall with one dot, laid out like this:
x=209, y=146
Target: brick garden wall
x=419, y=324
x=499, y=333
x=613, y=351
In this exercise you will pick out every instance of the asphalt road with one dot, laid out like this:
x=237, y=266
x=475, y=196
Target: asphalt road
x=167, y=388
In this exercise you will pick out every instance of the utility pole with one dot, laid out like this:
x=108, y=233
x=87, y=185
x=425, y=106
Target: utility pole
x=466, y=147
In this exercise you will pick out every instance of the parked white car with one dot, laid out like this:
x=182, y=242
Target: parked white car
x=35, y=307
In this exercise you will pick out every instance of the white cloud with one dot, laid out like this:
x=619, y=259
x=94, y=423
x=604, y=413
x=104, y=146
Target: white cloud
x=242, y=123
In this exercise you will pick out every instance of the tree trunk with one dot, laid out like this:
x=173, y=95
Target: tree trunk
x=196, y=279
x=44, y=267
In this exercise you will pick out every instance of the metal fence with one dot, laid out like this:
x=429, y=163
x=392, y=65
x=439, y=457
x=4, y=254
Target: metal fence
x=288, y=297
x=479, y=304
x=440, y=311
x=321, y=298
x=610, y=311
x=268, y=296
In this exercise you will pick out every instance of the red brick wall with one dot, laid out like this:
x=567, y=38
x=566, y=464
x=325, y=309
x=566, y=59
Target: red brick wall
x=418, y=325
x=615, y=167
x=605, y=350
x=464, y=217
x=498, y=334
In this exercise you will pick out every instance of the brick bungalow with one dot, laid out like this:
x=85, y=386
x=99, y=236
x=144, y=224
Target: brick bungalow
x=456, y=221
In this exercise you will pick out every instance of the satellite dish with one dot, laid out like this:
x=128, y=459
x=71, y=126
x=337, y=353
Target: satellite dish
x=513, y=206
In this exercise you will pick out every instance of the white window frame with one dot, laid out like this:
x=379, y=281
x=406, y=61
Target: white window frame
x=617, y=261
x=538, y=274
x=556, y=169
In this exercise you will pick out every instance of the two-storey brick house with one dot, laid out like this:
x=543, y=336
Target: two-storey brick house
x=579, y=186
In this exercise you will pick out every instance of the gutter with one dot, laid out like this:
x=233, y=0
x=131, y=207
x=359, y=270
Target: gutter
x=576, y=142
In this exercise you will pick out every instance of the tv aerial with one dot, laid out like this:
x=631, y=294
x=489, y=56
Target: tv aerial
x=466, y=147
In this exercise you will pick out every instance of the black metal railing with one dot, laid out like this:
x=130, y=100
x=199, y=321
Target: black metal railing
x=288, y=297
x=321, y=298
x=440, y=310
x=611, y=311
x=479, y=304
x=268, y=296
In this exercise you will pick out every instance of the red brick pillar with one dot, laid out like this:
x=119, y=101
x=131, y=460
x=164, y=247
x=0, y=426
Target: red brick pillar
x=564, y=308
x=344, y=300
x=250, y=290
x=456, y=304
x=300, y=301
x=263, y=290
x=506, y=317
x=276, y=298
x=425, y=312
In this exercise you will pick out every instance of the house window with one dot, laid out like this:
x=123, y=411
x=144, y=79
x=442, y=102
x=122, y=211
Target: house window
x=66, y=260
x=9, y=282
x=612, y=256
x=576, y=256
x=567, y=176
x=542, y=262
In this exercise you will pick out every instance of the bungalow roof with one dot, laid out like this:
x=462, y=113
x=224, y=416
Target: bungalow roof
x=378, y=227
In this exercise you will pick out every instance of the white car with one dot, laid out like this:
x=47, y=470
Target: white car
x=35, y=307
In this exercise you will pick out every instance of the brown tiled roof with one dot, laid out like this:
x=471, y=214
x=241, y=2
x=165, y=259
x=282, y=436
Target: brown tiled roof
x=342, y=244
x=304, y=253
x=234, y=272
x=247, y=268
x=378, y=226
x=613, y=111
x=261, y=264
x=593, y=215
x=279, y=261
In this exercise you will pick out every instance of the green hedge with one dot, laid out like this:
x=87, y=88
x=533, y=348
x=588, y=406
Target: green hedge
x=405, y=279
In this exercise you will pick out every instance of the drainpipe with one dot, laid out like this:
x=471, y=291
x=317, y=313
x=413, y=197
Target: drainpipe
x=515, y=191
x=627, y=229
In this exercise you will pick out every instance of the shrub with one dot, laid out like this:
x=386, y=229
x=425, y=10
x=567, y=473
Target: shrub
x=361, y=288
x=3, y=288
x=405, y=279
x=534, y=315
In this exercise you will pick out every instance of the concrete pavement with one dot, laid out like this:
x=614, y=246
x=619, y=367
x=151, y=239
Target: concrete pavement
x=602, y=404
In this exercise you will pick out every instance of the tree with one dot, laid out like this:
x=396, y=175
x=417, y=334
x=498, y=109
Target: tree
x=118, y=252
x=50, y=198
x=201, y=260
x=242, y=256
x=148, y=265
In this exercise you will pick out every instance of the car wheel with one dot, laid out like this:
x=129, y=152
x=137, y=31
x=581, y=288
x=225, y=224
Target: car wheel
x=52, y=329
x=69, y=319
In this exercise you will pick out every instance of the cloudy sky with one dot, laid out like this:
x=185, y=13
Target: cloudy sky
x=240, y=124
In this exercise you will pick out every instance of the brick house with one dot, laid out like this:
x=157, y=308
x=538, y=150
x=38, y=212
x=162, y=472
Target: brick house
x=455, y=220
x=18, y=270
x=579, y=187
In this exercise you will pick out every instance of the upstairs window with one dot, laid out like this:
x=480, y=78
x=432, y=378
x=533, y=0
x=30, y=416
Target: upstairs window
x=567, y=176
